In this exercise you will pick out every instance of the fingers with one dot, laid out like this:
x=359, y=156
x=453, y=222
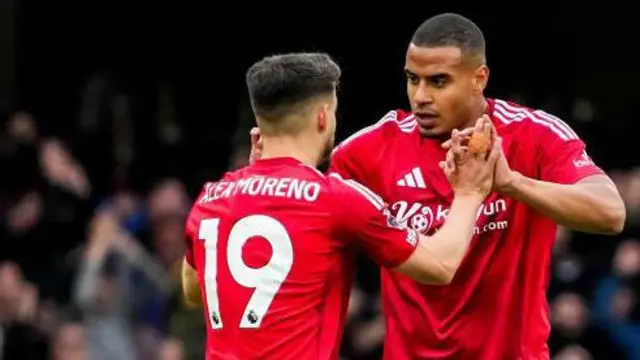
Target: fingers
x=465, y=133
x=450, y=160
x=479, y=126
x=455, y=138
x=457, y=149
x=487, y=129
x=255, y=136
x=447, y=168
x=496, y=150
x=256, y=145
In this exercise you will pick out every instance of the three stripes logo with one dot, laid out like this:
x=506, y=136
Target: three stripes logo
x=413, y=179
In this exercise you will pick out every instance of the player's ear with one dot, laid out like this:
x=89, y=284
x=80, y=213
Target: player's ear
x=323, y=117
x=480, y=78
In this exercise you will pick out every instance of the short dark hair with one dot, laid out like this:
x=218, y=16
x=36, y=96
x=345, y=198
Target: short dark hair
x=278, y=84
x=451, y=30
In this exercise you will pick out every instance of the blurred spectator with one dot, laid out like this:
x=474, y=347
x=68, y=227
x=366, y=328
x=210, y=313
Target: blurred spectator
x=615, y=299
x=171, y=349
x=19, y=337
x=45, y=198
x=573, y=352
x=571, y=327
x=91, y=239
x=70, y=342
x=116, y=280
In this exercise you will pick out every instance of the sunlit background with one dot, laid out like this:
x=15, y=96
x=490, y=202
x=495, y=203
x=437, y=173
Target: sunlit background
x=130, y=107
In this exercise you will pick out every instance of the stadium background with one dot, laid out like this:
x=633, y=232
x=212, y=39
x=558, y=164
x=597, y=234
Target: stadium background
x=115, y=113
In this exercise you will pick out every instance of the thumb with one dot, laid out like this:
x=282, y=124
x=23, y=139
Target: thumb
x=496, y=151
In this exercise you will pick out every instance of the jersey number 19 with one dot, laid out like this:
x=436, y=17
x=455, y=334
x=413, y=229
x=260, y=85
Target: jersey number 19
x=265, y=281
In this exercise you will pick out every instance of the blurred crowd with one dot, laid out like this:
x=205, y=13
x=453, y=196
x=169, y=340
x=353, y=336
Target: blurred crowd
x=89, y=260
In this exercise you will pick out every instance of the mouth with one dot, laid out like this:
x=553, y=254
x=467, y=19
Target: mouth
x=426, y=118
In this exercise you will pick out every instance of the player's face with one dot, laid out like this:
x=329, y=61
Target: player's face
x=444, y=90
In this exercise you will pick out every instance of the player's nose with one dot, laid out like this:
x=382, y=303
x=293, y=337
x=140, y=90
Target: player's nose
x=423, y=95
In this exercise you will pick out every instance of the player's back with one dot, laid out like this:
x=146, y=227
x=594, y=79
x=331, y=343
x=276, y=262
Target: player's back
x=274, y=278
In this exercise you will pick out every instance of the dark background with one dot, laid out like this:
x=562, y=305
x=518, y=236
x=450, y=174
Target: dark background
x=148, y=101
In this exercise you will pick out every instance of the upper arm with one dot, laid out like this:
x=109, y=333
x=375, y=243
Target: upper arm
x=189, y=273
x=362, y=217
x=346, y=163
x=188, y=238
x=562, y=156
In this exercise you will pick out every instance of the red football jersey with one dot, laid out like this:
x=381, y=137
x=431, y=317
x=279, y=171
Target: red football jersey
x=273, y=245
x=495, y=307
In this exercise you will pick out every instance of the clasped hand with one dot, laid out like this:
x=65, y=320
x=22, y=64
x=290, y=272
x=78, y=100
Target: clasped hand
x=472, y=171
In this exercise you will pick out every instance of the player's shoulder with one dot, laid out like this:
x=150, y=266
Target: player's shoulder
x=392, y=124
x=528, y=121
x=348, y=191
x=207, y=193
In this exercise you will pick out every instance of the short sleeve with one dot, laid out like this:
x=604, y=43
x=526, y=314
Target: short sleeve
x=363, y=217
x=353, y=157
x=191, y=226
x=562, y=155
x=344, y=163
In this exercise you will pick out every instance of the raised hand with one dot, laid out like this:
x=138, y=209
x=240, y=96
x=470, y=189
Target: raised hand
x=503, y=176
x=472, y=172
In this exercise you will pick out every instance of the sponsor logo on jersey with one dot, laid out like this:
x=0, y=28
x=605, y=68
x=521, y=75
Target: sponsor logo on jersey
x=422, y=218
x=412, y=237
x=583, y=161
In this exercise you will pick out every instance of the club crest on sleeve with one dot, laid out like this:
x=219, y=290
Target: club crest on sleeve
x=392, y=221
x=412, y=237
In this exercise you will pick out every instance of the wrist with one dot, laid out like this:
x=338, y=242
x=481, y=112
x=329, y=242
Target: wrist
x=511, y=186
x=470, y=196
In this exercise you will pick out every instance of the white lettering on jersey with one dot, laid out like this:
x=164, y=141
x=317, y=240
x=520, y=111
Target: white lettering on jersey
x=583, y=161
x=421, y=218
x=263, y=186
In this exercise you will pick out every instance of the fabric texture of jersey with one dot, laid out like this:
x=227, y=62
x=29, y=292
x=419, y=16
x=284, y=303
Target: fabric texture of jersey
x=496, y=306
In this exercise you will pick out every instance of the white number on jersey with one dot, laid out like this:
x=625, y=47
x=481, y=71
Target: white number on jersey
x=265, y=281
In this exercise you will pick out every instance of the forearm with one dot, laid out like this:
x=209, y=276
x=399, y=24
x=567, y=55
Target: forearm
x=590, y=207
x=139, y=257
x=87, y=283
x=449, y=245
x=190, y=285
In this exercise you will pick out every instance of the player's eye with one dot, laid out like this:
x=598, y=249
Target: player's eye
x=439, y=81
x=412, y=78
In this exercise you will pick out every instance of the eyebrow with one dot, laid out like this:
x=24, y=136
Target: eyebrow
x=431, y=76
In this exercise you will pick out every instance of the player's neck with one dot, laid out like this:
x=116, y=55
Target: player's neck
x=477, y=113
x=292, y=147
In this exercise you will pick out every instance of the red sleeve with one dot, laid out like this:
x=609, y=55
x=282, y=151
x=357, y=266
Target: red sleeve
x=363, y=217
x=353, y=157
x=344, y=162
x=191, y=226
x=562, y=155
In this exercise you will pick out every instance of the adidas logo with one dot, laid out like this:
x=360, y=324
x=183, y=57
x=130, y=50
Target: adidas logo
x=413, y=179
